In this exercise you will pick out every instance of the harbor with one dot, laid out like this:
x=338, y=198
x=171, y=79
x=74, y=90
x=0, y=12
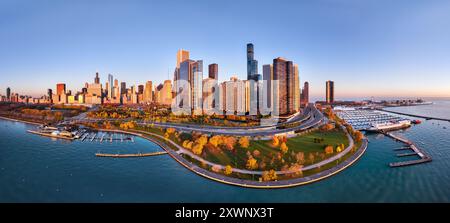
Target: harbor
x=379, y=122
x=81, y=134
x=370, y=120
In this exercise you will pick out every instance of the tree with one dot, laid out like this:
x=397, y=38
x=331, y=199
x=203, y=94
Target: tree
x=216, y=168
x=338, y=149
x=187, y=144
x=358, y=136
x=244, y=142
x=228, y=170
x=197, y=149
x=311, y=157
x=296, y=170
x=256, y=153
x=252, y=163
x=269, y=175
x=329, y=150
x=215, y=140
x=202, y=140
x=284, y=148
x=275, y=141
x=327, y=127
x=300, y=157
x=170, y=130
x=229, y=142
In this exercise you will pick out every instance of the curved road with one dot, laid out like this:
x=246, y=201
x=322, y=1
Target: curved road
x=182, y=150
x=311, y=118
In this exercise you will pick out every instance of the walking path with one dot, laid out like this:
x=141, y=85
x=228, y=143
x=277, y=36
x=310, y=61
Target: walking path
x=177, y=155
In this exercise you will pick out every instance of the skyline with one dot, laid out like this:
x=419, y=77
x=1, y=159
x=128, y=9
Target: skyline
x=404, y=50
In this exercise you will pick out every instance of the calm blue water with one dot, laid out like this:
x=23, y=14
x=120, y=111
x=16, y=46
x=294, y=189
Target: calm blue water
x=38, y=169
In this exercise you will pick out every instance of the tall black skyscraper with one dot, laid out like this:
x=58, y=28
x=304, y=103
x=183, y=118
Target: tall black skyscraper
x=213, y=71
x=8, y=93
x=97, y=78
x=123, y=88
x=49, y=94
x=252, y=64
x=330, y=92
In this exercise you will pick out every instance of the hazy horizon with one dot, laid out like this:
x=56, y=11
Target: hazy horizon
x=378, y=49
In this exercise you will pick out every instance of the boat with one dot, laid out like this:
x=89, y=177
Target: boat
x=416, y=121
x=54, y=134
x=390, y=125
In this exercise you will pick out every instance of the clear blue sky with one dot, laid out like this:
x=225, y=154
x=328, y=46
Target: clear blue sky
x=369, y=48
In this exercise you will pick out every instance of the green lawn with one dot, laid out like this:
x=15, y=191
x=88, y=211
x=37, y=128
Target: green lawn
x=304, y=143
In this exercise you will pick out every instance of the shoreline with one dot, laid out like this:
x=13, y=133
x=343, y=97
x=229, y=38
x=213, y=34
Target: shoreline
x=236, y=181
x=19, y=120
x=249, y=183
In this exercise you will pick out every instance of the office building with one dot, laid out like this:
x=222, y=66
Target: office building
x=267, y=87
x=182, y=55
x=330, y=92
x=252, y=64
x=8, y=94
x=213, y=71
x=285, y=90
x=304, y=99
x=97, y=79
x=148, y=92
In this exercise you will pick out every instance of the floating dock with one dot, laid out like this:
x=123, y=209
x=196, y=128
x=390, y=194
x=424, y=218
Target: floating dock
x=133, y=155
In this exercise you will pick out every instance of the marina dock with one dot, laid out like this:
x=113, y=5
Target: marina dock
x=416, y=151
x=130, y=155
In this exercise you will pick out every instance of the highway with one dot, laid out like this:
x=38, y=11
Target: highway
x=310, y=118
x=315, y=117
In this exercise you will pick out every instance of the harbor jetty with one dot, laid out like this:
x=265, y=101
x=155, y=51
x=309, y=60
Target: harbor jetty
x=424, y=158
x=416, y=116
x=133, y=155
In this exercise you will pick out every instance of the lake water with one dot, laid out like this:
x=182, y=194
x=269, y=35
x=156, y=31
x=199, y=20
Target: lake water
x=39, y=169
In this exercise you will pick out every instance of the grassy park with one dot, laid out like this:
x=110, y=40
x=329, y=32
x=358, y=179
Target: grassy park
x=305, y=150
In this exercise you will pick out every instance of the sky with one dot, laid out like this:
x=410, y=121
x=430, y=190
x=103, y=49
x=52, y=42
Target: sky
x=371, y=48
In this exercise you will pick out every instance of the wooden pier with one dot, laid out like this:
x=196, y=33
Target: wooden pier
x=133, y=155
x=403, y=148
x=416, y=151
x=406, y=154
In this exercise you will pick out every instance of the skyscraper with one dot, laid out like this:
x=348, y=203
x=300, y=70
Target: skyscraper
x=97, y=78
x=252, y=64
x=268, y=88
x=213, y=71
x=296, y=89
x=148, y=92
x=330, y=92
x=50, y=94
x=166, y=93
x=190, y=72
x=8, y=94
x=123, y=88
x=110, y=87
x=60, y=89
x=284, y=91
x=140, y=89
x=182, y=55
x=304, y=99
